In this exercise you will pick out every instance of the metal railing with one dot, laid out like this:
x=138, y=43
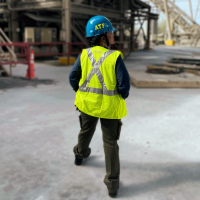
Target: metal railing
x=45, y=49
x=25, y=52
x=25, y=49
x=4, y=61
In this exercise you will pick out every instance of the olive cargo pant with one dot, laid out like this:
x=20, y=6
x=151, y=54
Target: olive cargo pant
x=111, y=129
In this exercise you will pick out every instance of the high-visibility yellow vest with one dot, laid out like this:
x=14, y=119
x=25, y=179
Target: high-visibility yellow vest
x=97, y=94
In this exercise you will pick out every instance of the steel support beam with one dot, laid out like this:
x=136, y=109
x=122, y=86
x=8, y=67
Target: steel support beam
x=148, y=32
x=66, y=21
x=10, y=25
x=78, y=1
x=41, y=5
x=78, y=34
x=132, y=36
x=99, y=11
x=197, y=9
x=121, y=33
x=92, y=2
x=14, y=26
x=79, y=24
x=167, y=20
x=190, y=9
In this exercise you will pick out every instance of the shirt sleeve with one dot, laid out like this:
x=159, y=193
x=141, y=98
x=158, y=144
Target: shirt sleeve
x=123, y=80
x=75, y=74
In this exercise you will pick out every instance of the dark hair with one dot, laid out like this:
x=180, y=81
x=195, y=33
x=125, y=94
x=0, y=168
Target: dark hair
x=95, y=40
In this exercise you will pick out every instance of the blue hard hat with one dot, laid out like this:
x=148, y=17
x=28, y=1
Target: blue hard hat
x=98, y=25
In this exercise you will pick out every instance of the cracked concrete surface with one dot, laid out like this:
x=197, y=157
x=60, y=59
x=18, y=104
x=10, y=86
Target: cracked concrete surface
x=159, y=143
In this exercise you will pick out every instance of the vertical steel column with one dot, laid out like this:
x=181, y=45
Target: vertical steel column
x=14, y=26
x=132, y=35
x=148, y=30
x=66, y=22
x=92, y=2
x=190, y=8
x=134, y=41
x=121, y=36
x=10, y=25
x=167, y=20
x=197, y=10
x=153, y=30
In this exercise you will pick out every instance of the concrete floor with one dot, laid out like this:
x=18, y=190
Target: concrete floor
x=159, y=143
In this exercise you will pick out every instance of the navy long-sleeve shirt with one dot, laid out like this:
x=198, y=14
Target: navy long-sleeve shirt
x=123, y=80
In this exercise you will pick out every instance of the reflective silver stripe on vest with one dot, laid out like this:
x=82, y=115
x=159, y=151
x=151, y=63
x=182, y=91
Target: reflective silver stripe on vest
x=95, y=69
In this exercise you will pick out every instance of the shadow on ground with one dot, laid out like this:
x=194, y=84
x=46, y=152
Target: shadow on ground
x=179, y=173
x=17, y=82
x=175, y=174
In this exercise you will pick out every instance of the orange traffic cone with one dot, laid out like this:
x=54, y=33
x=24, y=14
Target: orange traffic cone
x=31, y=71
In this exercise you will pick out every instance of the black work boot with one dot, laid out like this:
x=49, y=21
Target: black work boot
x=113, y=194
x=78, y=161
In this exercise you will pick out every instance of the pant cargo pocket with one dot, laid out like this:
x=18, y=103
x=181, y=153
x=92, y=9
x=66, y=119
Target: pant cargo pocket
x=119, y=129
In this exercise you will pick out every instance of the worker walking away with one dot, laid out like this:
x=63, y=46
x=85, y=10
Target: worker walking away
x=101, y=82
